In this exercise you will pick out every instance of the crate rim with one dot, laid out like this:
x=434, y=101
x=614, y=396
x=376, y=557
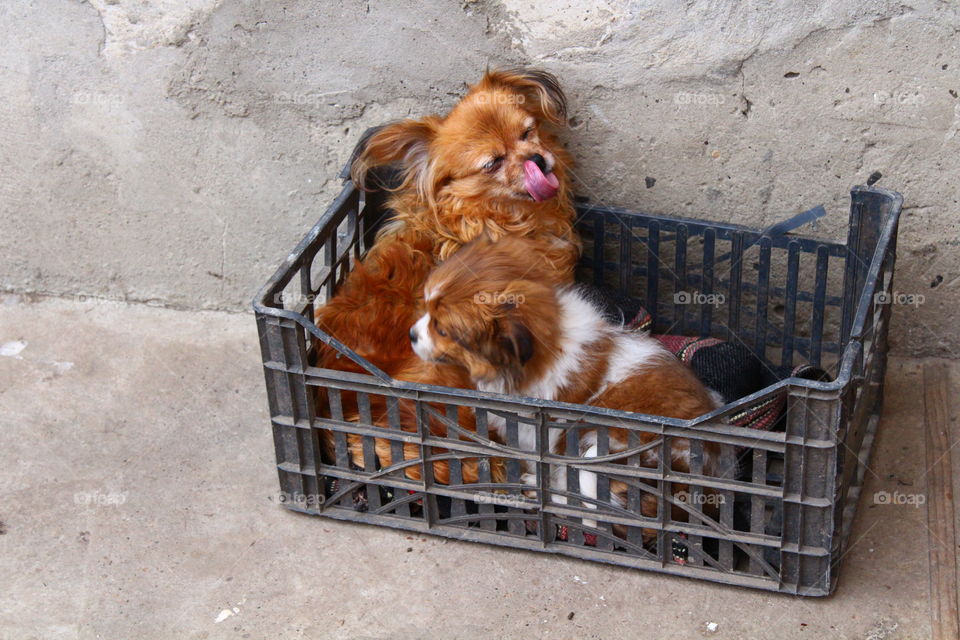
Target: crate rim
x=697, y=427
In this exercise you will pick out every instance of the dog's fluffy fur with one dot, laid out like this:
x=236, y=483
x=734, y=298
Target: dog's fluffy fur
x=461, y=176
x=492, y=312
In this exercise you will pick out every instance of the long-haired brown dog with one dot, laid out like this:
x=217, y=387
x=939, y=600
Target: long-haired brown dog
x=491, y=166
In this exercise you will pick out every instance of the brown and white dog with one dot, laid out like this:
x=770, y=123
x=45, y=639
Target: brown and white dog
x=491, y=310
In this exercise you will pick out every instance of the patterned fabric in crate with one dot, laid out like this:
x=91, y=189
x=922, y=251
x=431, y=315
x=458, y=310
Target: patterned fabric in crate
x=733, y=371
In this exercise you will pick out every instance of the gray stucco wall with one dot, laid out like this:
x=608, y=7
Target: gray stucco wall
x=173, y=151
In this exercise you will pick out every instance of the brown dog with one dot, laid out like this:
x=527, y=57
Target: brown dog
x=491, y=166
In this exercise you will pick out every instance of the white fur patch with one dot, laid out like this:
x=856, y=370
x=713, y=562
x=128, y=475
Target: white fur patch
x=588, y=480
x=423, y=347
x=526, y=433
x=429, y=293
x=492, y=386
x=718, y=400
x=631, y=352
x=580, y=326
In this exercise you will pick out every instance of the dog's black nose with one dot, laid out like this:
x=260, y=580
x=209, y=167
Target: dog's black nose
x=539, y=161
x=413, y=335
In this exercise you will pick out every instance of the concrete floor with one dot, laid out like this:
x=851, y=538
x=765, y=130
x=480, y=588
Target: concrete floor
x=138, y=501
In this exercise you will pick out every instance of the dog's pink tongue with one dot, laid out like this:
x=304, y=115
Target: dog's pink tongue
x=541, y=187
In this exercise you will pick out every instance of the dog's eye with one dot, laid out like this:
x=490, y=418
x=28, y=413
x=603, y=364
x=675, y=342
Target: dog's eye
x=493, y=165
x=526, y=134
x=441, y=332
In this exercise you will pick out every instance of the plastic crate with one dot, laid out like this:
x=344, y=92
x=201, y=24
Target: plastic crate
x=782, y=523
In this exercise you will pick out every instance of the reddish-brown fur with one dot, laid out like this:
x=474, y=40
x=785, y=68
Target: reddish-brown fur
x=372, y=314
x=373, y=310
x=447, y=195
x=445, y=200
x=673, y=391
x=415, y=370
x=477, y=306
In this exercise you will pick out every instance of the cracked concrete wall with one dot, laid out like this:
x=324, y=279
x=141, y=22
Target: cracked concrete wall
x=173, y=151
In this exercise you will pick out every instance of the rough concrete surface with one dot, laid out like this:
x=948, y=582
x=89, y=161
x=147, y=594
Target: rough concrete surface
x=174, y=151
x=138, y=500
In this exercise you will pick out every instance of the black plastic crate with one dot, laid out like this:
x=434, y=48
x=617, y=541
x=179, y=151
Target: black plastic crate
x=781, y=524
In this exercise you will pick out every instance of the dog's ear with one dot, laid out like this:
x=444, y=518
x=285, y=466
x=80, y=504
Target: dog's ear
x=540, y=89
x=516, y=339
x=404, y=145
